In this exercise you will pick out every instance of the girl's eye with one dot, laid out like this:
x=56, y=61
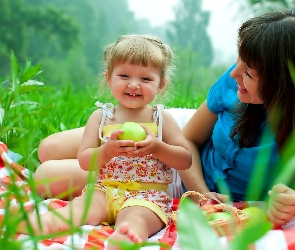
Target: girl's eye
x=123, y=76
x=247, y=74
x=146, y=79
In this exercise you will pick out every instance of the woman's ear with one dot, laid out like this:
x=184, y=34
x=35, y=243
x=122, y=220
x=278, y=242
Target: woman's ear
x=162, y=85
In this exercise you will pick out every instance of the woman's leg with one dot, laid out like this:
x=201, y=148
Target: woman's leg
x=135, y=224
x=70, y=215
x=59, y=174
x=63, y=179
x=62, y=145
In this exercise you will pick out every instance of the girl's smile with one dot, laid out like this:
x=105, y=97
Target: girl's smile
x=134, y=85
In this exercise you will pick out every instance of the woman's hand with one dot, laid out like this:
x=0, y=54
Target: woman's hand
x=220, y=198
x=281, y=207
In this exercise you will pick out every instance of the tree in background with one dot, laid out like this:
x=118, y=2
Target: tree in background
x=67, y=37
x=258, y=7
x=17, y=18
x=189, y=31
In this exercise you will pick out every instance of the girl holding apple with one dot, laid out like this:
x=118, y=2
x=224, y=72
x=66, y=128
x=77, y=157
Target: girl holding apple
x=133, y=170
x=225, y=133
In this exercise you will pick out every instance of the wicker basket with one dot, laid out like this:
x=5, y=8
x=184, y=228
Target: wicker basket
x=223, y=227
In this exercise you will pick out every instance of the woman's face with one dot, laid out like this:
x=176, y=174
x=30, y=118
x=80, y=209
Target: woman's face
x=247, y=80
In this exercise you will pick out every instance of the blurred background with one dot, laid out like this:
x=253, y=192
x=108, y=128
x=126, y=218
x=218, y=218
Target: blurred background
x=60, y=43
x=68, y=36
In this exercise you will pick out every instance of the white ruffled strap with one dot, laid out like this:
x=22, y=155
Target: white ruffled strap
x=107, y=111
x=157, y=116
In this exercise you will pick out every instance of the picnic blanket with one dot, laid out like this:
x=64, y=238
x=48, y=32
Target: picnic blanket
x=93, y=237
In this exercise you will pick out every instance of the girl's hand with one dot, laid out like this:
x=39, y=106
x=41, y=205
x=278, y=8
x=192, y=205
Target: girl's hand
x=115, y=147
x=147, y=146
x=281, y=207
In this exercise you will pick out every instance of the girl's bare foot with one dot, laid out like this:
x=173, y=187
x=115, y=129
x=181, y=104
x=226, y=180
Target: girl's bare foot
x=33, y=221
x=122, y=233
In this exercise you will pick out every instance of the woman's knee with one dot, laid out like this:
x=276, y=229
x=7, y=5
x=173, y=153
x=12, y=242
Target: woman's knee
x=62, y=145
x=40, y=178
x=47, y=148
x=60, y=176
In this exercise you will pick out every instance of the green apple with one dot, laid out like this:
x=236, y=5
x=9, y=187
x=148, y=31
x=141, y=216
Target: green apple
x=256, y=214
x=220, y=216
x=132, y=131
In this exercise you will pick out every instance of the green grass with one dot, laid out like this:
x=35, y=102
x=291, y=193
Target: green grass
x=30, y=112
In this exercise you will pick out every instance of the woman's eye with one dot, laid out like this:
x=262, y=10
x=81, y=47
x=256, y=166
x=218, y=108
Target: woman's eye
x=247, y=74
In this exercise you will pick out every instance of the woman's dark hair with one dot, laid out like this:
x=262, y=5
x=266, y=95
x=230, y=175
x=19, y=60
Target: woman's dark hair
x=267, y=44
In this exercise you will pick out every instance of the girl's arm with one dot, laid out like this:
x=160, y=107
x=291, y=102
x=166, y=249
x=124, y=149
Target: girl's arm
x=92, y=155
x=173, y=150
x=90, y=147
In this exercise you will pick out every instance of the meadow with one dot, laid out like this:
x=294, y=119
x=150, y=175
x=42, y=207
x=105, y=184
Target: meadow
x=31, y=110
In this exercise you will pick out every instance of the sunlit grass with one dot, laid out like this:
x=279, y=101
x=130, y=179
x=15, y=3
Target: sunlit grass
x=29, y=114
x=32, y=110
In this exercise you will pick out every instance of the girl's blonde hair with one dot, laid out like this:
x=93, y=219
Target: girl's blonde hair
x=142, y=50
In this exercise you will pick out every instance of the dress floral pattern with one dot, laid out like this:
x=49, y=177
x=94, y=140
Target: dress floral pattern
x=143, y=169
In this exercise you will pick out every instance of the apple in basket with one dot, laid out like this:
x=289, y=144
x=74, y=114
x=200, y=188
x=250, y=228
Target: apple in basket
x=207, y=204
x=132, y=131
x=219, y=216
x=255, y=214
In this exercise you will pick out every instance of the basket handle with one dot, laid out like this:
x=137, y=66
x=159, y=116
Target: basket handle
x=221, y=206
x=188, y=193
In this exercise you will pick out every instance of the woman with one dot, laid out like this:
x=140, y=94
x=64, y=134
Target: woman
x=244, y=125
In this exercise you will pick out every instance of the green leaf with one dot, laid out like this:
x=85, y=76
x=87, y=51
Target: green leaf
x=62, y=127
x=292, y=71
x=24, y=103
x=29, y=71
x=193, y=228
x=14, y=70
x=286, y=176
x=2, y=112
x=251, y=234
x=30, y=86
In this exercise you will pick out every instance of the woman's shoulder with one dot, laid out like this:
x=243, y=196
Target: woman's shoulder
x=225, y=82
x=223, y=93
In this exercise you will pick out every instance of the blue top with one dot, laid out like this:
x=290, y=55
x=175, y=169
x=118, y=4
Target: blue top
x=221, y=157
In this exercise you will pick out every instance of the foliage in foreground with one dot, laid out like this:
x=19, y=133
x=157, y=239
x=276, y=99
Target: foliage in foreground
x=29, y=111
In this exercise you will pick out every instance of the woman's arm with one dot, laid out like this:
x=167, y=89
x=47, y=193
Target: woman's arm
x=197, y=131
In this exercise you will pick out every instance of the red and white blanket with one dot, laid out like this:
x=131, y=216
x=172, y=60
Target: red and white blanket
x=94, y=237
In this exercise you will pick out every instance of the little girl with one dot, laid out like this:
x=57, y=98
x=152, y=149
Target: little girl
x=133, y=177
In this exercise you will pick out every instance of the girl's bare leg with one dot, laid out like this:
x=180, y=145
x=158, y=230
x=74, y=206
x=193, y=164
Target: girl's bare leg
x=72, y=213
x=135, y=224
x=59, y=174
